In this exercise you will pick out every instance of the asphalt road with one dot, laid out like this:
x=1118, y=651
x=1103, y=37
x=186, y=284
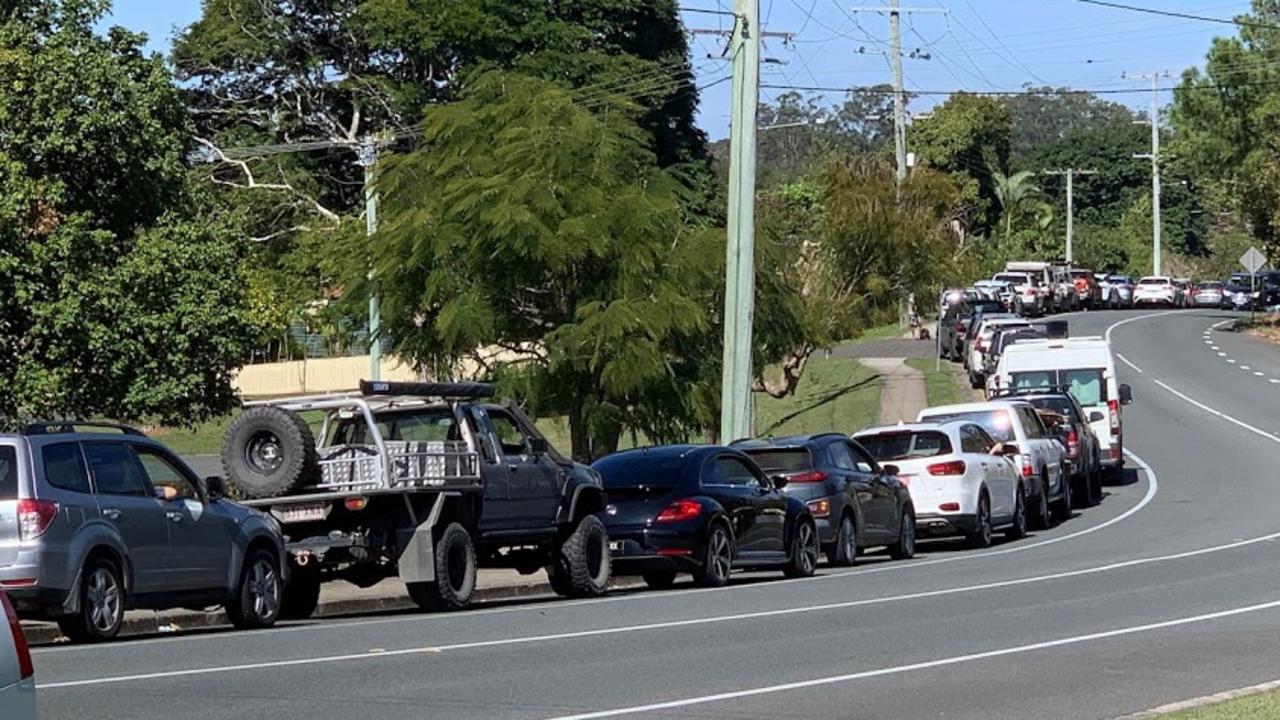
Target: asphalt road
x=1167, y=590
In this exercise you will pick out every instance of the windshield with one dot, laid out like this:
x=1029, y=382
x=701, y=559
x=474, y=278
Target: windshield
x=782, y=460
x=1016, y=279
x=1081, y=274
x=890, y=446
x=996, y=422
x=1211, y=286
x=1240, y=279
x=1087, y=385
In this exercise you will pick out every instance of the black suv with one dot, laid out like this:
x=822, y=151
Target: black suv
x=1067, y=420
x=420, y=480
x=955, y=323
x=855, y=502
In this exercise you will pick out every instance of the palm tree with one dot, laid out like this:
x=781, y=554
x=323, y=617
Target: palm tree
x=1018, y=196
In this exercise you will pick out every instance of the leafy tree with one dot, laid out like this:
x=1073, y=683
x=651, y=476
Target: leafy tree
x=120, y=287
x=1046, y=116
x=1019, y=197
x=528, y=223
x=967, y=136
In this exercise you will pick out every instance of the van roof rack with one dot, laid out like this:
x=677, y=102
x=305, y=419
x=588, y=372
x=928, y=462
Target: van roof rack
x=1019, y=392
x=66, y=427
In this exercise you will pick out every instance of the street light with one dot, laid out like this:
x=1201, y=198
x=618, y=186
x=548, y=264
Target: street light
x=805, y=123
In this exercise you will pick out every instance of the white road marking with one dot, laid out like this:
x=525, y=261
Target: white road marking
x=1231, y=360
x=1274, y=381
x=1224, y=416
x=1245, y=367
x=1126, y=361
x=1214, y=347
x=1255, y=372
x=1222, y=354
x=927, y=665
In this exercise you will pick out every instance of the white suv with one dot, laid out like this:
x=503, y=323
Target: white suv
x=1039, y=457
x=17, y=677
x=1157, y=291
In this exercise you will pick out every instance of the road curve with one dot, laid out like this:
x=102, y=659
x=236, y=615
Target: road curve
x=1167, y=590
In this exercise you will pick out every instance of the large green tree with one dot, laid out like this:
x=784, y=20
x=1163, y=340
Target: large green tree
x=1046, y=116
x=967, y=136
x=527, y=223
x=120, y=285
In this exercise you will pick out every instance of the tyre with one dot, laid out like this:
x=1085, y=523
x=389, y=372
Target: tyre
x=660, y=579
x=804, y=551
x=905, y=547
x=717, y=558
x=256, y=603
x=102, y=603
x=582, y=566
x=1062, y=508
x=844, y=551
x=975, y=381
x=1040, y=519
x=982, y=533
x=1095, y=484
x=301, y=594
x=455, y=561
x=268, y=452
x=1018, y=527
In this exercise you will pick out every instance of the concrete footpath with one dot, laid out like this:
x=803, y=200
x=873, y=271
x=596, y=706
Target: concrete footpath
x=902, y=389
x=336, y=599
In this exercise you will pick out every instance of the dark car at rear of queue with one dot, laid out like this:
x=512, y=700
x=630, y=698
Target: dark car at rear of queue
x=703, y=510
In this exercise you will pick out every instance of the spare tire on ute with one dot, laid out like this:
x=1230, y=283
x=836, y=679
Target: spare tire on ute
x=268, y=452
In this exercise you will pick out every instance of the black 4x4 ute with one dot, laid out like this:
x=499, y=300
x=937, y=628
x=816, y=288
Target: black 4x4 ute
x=420, y=480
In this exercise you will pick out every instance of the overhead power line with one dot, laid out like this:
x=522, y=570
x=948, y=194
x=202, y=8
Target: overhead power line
x=1014, y=93
x=1184, y=16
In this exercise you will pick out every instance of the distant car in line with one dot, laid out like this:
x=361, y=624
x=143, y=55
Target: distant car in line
x=954, y=324
x=704, y=510
x=982, y=334
x=1029, y=296
x=1083, y=447
x=1088, y=290
x=1039, y=457
x=996, y=290
x=960, y=478
x=96, y=518
x=1210, y=294
x=1186, y=289
x=856, y=502
x=1122, y=285
x=1157, y=290
x=17, y=674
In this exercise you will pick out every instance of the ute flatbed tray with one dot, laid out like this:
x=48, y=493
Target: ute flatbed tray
x=344, y=494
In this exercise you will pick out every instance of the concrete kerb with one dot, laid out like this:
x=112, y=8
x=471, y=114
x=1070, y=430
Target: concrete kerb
x=1203, y=701
x=177, y=622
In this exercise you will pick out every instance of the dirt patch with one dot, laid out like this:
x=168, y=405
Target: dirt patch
x=1265, y=327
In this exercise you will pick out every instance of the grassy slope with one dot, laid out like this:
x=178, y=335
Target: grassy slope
x=1265, y=706
x=833, y=394
x=941, y=387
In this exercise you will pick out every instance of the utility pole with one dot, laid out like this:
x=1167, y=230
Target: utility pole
x=1154, y=156
x=368, y=159
x=739, y=293
x=899, y=93
x=1070, y=174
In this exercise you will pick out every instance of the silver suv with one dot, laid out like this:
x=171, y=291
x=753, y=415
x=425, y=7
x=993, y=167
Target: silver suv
x=96, y=519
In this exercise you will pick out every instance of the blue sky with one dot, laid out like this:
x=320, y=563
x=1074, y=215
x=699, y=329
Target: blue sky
x=978, y=45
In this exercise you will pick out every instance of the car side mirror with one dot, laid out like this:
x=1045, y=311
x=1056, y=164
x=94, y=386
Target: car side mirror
x=890, y=469
x=539, y=445
x=1126, y=395
x=779, y=481
x=215, y=488
x=1096, y=416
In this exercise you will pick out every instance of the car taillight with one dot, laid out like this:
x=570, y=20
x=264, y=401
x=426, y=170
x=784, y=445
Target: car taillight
x=813, y=476
x=1113, y=409
x=955, y=467
x=959, y=327
x=25, y=668
x=1073, y=445
x=34, y=517
x=1115, y=452
x=949, y=507
x=680, y=511
x=1027, y=470
x=1029, y=292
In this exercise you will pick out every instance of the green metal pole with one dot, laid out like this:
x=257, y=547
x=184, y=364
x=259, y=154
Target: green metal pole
x=371, y=227
x=739, y=297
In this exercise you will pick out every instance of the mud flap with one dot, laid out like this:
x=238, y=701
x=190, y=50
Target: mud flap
x=417, y=546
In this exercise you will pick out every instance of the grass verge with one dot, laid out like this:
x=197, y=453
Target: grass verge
x=940, y=385
x=1263, y=706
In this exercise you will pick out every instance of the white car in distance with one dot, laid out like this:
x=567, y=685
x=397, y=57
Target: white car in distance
x=1156, y=290
x=17, y=676
x=959, y=479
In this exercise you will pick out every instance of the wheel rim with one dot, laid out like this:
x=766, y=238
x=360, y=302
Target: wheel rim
x=848, y=538
x=807, y=548
x=102, y=597
x=264, y=589
x=720, y=556
x=908, y=534
x=263, y=452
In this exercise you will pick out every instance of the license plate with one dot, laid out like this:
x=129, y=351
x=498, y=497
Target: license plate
x=303, y=512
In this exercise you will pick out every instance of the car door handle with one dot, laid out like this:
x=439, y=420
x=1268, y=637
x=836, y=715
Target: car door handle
x=174, y=516
x=111, y=513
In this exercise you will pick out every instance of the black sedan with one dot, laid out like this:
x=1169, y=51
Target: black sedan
x=704, y=510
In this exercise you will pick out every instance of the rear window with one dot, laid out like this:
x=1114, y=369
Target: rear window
x=782, y=460
x=64, y=468
x=891, y=446
x=1119, y=280
x=628, y=471
x=1211, y=286
x=8, y=473
x=1059, y=404
x=1016, y=279
x=996, y=422
x=1087, y=385
x=1153, y=281
x=428, y=425
x=987, y=306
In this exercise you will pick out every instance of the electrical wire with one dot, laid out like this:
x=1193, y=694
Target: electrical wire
x=1184, y=16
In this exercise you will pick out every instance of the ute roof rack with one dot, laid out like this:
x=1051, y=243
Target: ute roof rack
x=66, y=427
x=1019, y=392
x=448, y=391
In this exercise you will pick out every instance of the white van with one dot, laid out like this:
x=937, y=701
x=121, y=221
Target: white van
x=1086, y=368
